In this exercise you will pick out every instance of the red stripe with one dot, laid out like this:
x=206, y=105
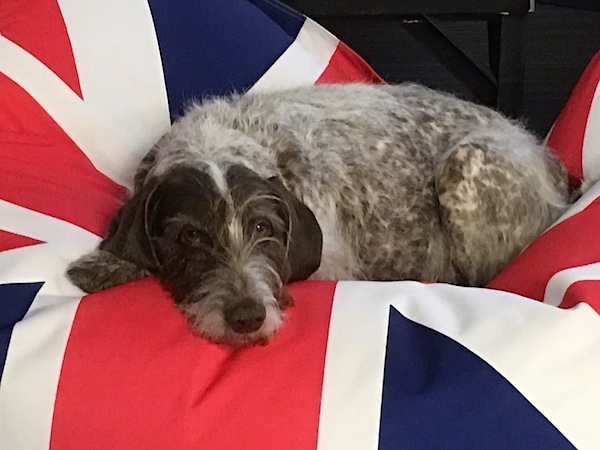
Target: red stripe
x=346, y=66
x=43, y=170
x=133, y=377
x=568, y=132
x=572, y=243
x=585, y=291
x=39, y=28
x=9, y=241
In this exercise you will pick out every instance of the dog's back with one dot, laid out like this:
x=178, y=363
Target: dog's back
x=248, y=193
x=405, y=182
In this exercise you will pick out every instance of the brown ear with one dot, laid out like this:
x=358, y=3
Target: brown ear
x=127, y=235
x=306, y=239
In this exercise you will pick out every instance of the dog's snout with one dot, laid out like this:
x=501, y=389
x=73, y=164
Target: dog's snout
x=245, y=317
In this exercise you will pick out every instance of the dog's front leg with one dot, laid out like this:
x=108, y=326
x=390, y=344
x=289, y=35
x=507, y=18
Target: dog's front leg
x=101, y=270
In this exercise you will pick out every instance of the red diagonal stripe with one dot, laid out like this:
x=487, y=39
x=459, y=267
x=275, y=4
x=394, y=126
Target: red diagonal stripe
x=346, y=66
x=43, y=170
x=39, y=28
x=584, y=291
x=9, y=241
x=571, y=243
x=568, y=132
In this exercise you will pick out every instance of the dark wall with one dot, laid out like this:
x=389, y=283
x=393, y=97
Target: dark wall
x=559, y=43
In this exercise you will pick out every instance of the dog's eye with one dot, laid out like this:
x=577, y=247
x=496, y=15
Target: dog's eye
x=194, y=237
x=263, y=228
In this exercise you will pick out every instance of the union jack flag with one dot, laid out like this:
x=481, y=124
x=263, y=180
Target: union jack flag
x=86, y=88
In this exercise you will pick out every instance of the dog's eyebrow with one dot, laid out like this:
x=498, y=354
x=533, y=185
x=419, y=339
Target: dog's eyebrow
x=263, y=197
x=186, y=219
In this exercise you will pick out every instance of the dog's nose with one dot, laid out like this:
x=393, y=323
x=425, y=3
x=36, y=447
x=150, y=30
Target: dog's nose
x=245, y=317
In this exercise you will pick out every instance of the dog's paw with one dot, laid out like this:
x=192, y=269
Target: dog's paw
x=101, y=270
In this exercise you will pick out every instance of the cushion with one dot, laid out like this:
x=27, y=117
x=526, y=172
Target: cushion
x=562, y=266
x=85, y=89
x=575, y=136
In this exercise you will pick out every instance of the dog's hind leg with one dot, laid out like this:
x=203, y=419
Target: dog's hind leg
x=492, y=204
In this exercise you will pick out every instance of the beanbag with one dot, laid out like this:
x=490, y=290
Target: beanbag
x=86, y=88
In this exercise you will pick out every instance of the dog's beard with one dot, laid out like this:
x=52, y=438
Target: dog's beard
x=222, y=289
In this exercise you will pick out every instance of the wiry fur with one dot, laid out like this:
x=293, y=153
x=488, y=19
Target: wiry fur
x=405, y=183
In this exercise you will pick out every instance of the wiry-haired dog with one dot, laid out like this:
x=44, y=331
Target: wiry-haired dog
x=250, y=192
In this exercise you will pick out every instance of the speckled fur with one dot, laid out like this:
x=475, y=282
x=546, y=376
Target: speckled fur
x=405, y=182
x=372, y=163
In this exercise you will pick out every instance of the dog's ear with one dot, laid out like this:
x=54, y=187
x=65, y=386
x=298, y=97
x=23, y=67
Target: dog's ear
x=306, y=238
x=128, y=236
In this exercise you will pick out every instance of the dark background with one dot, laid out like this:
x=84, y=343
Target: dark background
x=559, y=42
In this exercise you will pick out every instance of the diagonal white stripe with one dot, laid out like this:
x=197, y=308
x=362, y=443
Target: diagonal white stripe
x=118, y=61
x=561, y=281
x=552, y=356
x=109, y=152
x=43, y=262
x=303, y=62
x=23, y=221
x=125, y=107
x=47, y=262
x=591, y=141
x=582, y=203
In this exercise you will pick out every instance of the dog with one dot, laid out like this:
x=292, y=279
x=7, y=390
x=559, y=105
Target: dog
x=250, y=192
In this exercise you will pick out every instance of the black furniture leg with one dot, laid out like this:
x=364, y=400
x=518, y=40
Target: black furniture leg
x=435, y=41
x=511, y=64
x=494, y=29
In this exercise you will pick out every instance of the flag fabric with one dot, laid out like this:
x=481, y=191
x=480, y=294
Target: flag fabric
x=576, y=135
x=86, y=88
x=562, y=267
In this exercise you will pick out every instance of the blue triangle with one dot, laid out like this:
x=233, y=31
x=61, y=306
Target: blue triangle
x=15, y=301
x=216, y=47
x=438, y=394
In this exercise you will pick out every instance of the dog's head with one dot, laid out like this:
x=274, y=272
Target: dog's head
x=224, y=243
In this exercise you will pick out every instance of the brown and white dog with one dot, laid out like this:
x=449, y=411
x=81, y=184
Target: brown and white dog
x=250, y=192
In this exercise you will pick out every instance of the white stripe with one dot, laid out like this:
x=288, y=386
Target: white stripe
x=108, y=151
x=34, y=360
x=581, y=204
x=43, y=262
x=118, y=61
x=552, y=356
x=591, y=141
x=31, y=373
x=33, y=224
x=303, y=62
x=561, y=281
x=353, y=377
x=47, y=262
x=114, y=130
